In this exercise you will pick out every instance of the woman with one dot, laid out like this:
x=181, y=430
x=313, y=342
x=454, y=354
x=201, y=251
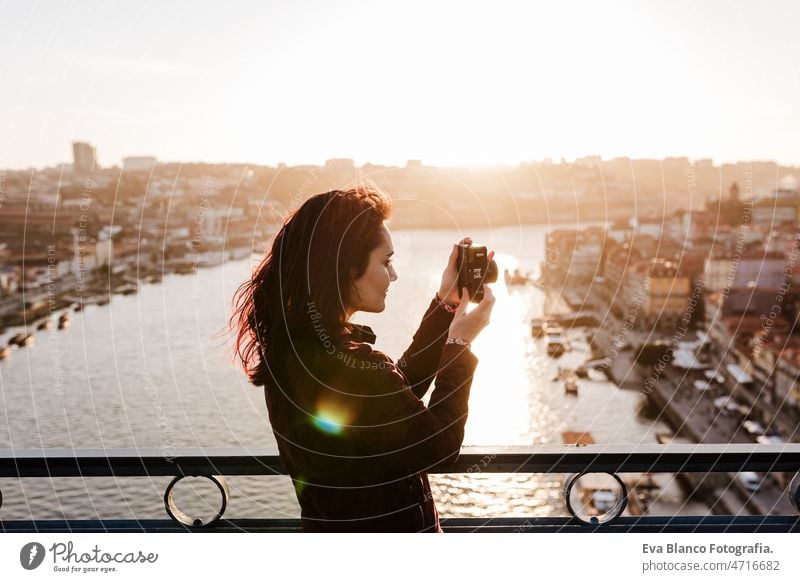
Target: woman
x=351, y=428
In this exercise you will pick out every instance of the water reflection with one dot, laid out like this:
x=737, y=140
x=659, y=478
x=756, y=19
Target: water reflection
x=502, y=380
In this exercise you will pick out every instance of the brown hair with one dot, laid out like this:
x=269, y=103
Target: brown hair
x=300, y=289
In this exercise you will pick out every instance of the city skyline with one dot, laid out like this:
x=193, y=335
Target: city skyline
x=151, y=161
x=449, y=84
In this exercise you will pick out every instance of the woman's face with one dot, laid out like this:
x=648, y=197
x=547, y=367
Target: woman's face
x=371, y=287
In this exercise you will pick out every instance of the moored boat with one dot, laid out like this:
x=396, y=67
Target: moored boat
x=516, y=277
x=556, y=344
x=21, y=340
x=126, y=289
x=664, y=438
x=571, y=386
x=540, y=325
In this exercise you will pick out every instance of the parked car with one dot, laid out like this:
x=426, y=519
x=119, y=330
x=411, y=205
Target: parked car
x=770, y=439
x=752, y=427
x=750, y=479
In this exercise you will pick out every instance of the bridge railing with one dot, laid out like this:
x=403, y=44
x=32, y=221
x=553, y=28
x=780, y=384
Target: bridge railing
x=591, y=508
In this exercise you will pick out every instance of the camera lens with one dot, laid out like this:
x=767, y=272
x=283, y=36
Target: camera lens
x=491, y=272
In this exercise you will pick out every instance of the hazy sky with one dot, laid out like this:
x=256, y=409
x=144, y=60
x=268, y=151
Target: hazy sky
x=447, y=82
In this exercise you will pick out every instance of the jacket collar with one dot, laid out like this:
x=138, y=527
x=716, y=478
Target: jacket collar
x=363, y=333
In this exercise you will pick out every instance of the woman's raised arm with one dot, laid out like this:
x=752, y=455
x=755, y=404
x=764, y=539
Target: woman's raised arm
x=420, y=361
x=391, y=424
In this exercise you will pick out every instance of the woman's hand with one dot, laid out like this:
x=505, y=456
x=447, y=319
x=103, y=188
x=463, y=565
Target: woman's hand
x=449, y=290
x=467, y=326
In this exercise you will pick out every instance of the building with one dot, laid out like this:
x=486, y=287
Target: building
x=138, y=164
x=84, y=157
x=650, y=226
x=752, y=268
x=340, y=163
x=698, y=224
x=36, y=213
x=773, y=212
x=10, y=279
x=663, y=292
x=767, y=351
x=787, y=378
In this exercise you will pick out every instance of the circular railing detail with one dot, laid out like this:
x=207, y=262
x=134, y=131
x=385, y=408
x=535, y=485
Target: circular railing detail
x=595, y=498
x=794, y=492
x=179, y=516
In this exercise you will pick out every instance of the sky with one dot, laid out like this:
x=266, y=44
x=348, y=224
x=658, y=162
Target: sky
x=383, y=82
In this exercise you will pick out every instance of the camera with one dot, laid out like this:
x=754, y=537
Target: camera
x=475, y=269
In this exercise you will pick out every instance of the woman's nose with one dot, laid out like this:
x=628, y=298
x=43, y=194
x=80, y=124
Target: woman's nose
x=393, y=275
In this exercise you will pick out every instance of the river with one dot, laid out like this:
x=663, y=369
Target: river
x=154, y=369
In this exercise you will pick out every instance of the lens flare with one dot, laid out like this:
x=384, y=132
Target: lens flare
x=330, y=419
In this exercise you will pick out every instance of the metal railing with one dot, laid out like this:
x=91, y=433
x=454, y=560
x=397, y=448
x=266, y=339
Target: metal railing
x=567, y=459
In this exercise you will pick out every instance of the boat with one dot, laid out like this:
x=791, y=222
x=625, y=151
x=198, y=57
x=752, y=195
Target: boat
x=540, y=325
x=640, y=493
x=597, y=498
x=46, y=324
x=598, y=364
x=208, y=259
x=63, y=320
x=556, y=344
x=21, y=340
x=126, y=289
x=555, y=347
x=571, y=386
x=576, y=438
x=516, y=277
x=240, y=253
x=584, y=318
x=564, y=373
x=5, y=351
x=664, y=438
x=582, y=372
x=185, y=268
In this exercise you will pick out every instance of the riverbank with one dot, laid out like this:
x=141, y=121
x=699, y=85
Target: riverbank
x=99, y=285
x=692, y=415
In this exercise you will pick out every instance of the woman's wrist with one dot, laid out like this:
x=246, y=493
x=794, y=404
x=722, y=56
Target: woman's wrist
x=449, y=306
x=459, y=341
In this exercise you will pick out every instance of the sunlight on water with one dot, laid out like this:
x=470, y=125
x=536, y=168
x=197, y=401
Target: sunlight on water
x=501, y=381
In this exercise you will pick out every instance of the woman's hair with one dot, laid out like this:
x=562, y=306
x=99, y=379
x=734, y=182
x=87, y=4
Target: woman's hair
x=300, y=289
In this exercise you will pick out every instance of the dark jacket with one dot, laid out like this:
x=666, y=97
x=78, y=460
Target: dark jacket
x=355, y=436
